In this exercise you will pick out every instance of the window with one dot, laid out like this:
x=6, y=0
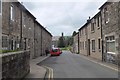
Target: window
x=92, y=26
x=86, y=31
x=98, y=22
x=83, y=45
x=93, y=45
x=12, y=13
x=4, y=42
x=80, y=33
x=110, y=43
x=110, y=38
x=106, y=18
x=86, y=45
x=99, y=44
x=80, y=45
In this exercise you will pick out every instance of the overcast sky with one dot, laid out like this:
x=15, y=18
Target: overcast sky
x=64, y=15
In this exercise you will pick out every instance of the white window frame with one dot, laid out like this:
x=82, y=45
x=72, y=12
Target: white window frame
x=12, y=12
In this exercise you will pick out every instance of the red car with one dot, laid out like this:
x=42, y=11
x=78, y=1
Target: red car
x=55, y=52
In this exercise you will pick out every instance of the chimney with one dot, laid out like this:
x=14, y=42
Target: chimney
x=62, y=34
x=88, y=19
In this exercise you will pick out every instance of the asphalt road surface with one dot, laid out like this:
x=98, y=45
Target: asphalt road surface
x=69, y=65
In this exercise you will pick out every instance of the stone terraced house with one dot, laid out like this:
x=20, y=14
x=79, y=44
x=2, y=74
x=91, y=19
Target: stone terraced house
x=100, y=36
x=21, y=31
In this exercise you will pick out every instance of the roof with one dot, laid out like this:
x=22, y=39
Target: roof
x=25, y=10
x=28, y=12
x=88, y=21
x=104, y=5
x=96, y=15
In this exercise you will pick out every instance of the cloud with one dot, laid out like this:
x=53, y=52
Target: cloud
x=63, y=16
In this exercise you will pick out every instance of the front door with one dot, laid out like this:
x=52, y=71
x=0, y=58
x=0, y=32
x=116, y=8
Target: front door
x=88, y=47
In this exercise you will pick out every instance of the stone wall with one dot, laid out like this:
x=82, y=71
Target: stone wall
x=15, y=65
x=109, y=13
x=0, y=45
x=37, y=40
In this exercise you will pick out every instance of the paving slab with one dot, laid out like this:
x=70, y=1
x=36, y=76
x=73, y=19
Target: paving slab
x=37, y=71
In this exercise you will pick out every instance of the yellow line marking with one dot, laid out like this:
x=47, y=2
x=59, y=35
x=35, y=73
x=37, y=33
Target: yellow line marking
x=50, y=74
x=102, y=64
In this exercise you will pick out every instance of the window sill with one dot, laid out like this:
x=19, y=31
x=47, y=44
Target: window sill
x=99, y=50
x=98, y=27
x=92, y=31
x=93, y=50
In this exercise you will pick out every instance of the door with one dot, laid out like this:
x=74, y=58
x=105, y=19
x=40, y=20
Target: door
x=88, y=47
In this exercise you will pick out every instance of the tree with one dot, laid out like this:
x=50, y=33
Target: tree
x=61, y=43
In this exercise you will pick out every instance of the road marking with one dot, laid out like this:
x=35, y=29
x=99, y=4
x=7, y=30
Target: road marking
x=102, y=64
x=50, y=72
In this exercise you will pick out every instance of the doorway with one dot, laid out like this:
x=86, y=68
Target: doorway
x=88, y=47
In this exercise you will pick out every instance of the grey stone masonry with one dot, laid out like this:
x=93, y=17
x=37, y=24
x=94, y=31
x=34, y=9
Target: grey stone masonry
x=15, y=65
x=37, y=40
x=110, y=27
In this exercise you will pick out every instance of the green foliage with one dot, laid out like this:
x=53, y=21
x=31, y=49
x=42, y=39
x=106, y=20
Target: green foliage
x=7, y=51
x=61, y=42
x=66, y=48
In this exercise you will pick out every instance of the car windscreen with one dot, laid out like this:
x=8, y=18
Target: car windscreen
x=55, y=50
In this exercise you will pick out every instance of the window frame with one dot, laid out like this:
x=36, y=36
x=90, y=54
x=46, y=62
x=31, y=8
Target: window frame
x=12, y=12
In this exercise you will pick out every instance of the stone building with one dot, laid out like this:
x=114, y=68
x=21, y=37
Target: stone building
x=83, y=39
x=55, y=40
x=46, y=40
x=18, y=27
x=110, y=28
x=101, y=33
x=94, y=38
x=11, y=25
x=75, y=43
x=37, y=39
x=28, y=22
x=24, y=35
x=21, y=31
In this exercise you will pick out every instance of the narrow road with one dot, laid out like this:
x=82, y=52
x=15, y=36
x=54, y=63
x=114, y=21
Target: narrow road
x=69, y=65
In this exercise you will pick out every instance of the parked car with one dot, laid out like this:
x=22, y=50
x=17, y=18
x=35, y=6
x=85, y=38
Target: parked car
x=55, y=52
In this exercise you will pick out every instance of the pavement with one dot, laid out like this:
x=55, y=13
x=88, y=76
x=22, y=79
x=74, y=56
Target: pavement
x=106, y=64
x=37, y=71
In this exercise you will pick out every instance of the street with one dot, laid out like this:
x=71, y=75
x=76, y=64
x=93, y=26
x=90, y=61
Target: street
x=69, y=65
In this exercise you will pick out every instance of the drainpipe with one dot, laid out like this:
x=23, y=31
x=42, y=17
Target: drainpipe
x=34, y=39
x=41, y=41
x=9, y=47
x=21, y=32
x=78, y=44
x=102, y=42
